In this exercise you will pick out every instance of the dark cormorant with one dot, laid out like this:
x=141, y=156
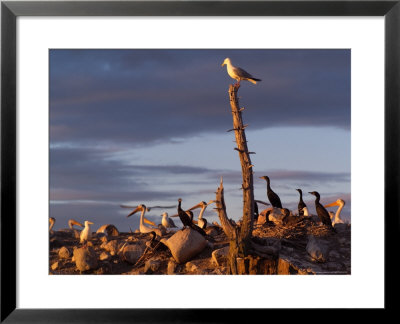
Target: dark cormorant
x=301, y=204
x=322, y=212
x=272, y=196
x=187, y=219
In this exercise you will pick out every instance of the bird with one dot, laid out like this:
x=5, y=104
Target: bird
x=73, y=222
x=143, y=228
x=86, y=234
x=301, y=204
x=336, y=218
x=186, y=218
x=52, y=221
x=321, y=211
x=201, y=222
x=272, y=196
x=166, y=221
x=237, y=73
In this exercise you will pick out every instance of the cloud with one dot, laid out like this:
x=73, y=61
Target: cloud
x=152, y=96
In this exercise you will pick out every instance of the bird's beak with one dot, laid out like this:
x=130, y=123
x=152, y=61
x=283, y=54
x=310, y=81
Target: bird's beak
x=310, y=193
x=262, y=202
x=222, y=64
x=74, y=222
x=176, y=215
x=148, y=221
x=135, y=211
x=332, y=204
x=196, y=206
x=211, y=202
x=90, y=223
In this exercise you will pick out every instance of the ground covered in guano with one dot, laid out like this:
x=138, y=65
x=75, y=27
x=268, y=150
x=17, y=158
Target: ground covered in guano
x=305, y=247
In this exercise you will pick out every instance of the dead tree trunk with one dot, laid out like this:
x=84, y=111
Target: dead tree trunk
x=240, y=243
x=247, y=171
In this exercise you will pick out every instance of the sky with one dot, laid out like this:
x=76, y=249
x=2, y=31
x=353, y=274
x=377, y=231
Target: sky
x=150, y=126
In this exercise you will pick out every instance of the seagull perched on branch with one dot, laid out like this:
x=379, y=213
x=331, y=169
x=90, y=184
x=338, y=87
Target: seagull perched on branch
x=237, y=73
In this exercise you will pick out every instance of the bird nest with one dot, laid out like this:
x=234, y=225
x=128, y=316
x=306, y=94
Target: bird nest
x=295, y=230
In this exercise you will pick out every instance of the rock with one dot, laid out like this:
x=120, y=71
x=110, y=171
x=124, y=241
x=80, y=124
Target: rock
x=54, y=266
x=316, y=249
x=111, y=247
x=220, y=256
x=104, y=256
x=185, y=244
x=108, y=229
x=131, y=253
x=104, y=239
x=276, y=216
x=152, y=266
x=85, y=258
x=172, y=267
x=263, y=216
x=64, y=253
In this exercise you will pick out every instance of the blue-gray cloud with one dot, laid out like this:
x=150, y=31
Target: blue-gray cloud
x=145, y=96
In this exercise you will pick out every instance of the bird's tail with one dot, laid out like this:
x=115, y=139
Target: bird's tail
x=254, y=80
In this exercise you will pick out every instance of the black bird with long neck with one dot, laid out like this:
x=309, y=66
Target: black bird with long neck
x=188, y=220
x=301, y=204
x=322, y=212
x=272, y=196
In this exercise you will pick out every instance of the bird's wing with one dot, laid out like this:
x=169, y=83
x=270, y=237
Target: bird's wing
x=126, y=206
x=242, y=73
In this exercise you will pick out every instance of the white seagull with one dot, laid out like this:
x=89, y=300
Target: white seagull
x=166, y=221
x=237, y=73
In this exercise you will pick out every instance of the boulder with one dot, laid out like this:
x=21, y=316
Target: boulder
x=263, y=216
x=316, y=249
x=108, y=229
x=85, y=258
x=220, y=256
x=185, y=244
x=64, y=253
x=111, y=247
x=276, y=216
x=131, y=253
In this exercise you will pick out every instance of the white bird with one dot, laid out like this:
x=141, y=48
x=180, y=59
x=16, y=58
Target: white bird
x=336, y=218
x=166, y=221
x=237, y=73
x=201, y=222
x=86, y=234
x=143, y=228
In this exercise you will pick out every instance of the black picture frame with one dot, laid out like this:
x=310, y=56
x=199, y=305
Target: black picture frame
x=10, y=10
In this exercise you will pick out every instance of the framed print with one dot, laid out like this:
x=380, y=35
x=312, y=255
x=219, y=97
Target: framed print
x=117, y=128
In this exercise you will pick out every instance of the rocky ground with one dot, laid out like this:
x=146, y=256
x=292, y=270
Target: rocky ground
x=305, y=247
